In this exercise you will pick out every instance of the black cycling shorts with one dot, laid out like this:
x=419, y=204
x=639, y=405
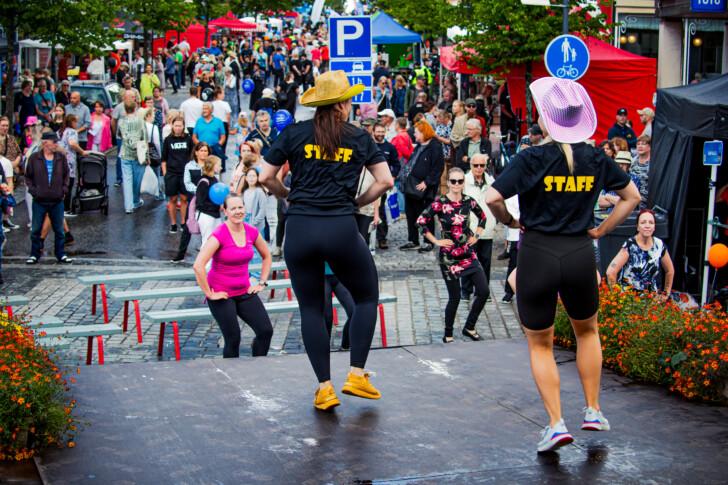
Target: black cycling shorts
x=551, y=266
x=174, y=185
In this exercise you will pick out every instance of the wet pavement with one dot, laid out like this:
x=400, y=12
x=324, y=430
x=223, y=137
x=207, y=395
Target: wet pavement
x=460, y=413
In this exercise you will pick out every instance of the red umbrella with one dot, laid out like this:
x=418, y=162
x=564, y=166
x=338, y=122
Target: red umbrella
x=229, y=21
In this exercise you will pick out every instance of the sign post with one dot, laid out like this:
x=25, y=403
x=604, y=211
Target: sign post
x=567, y=57
x=350, y=50
x=712, y=157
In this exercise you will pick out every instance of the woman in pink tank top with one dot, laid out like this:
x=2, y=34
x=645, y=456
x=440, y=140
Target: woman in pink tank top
x=227, y=285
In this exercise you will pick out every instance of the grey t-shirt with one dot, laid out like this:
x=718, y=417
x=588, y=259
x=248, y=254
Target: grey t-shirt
x=640, y=172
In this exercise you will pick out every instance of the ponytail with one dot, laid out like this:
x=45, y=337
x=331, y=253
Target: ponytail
x=569, y=154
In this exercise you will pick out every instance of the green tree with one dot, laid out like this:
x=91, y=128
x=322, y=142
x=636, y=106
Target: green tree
x=504, y=33
x=159, y=16
x=428, y=17
x=39, y=20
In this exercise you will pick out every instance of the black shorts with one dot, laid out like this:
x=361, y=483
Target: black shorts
x=551, y=266
x=174, y=185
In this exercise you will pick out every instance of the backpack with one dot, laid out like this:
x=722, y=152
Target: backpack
x=192, y=225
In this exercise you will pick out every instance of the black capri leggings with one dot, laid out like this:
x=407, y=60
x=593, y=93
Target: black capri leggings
x=476, y=275
x=333, y=285
x=551, y=265
x=311, y=241
x=252, y=311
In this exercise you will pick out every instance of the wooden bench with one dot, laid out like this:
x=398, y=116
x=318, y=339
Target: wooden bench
x=56, y=343
x=101, y=280
x=45, y=322
x=9, y=301
x=203, y=313
x=135, y=296
x=97, y=331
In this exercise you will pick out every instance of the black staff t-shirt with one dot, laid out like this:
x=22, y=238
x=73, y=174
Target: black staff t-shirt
x=323, y=186
x=552, y=200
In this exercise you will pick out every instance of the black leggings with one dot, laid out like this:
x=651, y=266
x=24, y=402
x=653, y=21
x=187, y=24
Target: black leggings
x=251, y=310
x=311, y=241
x=551, y=265
x=475, y=274
x=333, y=285
x=413, y=208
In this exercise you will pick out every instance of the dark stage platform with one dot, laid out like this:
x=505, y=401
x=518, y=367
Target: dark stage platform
x=462, y=413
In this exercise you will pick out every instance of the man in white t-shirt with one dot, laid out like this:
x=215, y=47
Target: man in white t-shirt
x=191, y=109
x=221, y=110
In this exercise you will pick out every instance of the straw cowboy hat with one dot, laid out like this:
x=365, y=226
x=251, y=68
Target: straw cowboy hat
x=330, y=87
x=566, y=109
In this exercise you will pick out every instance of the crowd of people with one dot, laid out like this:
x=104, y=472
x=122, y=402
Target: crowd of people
x=287, y=184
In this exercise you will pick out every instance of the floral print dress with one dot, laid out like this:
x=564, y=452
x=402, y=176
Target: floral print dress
x=454, y=218
x=642, y=271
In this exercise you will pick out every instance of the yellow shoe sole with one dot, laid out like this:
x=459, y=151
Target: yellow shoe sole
x=355, y=391
x=328, y=404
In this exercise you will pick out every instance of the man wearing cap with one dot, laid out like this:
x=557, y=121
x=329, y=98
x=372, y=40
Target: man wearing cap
x=387, y=118
x=471, y=109
x=390, y=154
x=534, y=138
x=646, y=117
x=622, y=130
x=47, y=177
x=63, y=95
x=76, y=107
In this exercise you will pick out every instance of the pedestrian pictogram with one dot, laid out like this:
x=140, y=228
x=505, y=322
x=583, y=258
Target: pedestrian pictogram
x=567, y=57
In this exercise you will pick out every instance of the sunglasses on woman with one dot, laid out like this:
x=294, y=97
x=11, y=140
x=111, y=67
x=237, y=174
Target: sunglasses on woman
x=457, y=181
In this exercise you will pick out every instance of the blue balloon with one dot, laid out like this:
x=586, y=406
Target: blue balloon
x=218, y=192
x=281, y=119
x=248, y=86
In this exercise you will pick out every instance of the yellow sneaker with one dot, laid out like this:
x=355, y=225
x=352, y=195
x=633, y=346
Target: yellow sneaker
x=325, y=399
x=360, y=386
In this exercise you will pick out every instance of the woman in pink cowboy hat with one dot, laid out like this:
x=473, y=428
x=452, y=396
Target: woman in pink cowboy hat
x=557, y=184
x=326, y=157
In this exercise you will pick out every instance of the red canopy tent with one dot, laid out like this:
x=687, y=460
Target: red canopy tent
x=231, y=22
x=615, y=79
x=195, y=35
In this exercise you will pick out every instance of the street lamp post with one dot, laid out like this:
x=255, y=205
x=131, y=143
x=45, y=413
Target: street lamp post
x=547, y=3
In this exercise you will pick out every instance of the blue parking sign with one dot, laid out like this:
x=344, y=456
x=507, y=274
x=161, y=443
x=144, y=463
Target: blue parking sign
x=567, y=57
x=350, y=37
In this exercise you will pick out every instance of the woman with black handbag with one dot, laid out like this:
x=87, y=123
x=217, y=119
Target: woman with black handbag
x=420, y=179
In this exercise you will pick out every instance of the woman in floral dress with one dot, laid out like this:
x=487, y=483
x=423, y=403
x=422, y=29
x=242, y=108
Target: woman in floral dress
x=457, y=256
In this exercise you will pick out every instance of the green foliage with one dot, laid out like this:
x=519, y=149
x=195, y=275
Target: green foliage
x=36, y=411
x=161, y=15
x=429, y=17
x=504, y=33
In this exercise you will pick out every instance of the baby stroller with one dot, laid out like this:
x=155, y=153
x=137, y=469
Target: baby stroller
x=92, y=192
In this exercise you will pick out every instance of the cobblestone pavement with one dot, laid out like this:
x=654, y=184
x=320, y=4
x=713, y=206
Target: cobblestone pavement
x=415, y=319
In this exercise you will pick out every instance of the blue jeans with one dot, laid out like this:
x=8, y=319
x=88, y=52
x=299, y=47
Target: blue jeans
x=132, y=173
x=2, y=240
x=55, y=213
x=118, y=160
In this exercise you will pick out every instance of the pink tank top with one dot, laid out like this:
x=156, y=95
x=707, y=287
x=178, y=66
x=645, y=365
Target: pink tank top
x=229, y=271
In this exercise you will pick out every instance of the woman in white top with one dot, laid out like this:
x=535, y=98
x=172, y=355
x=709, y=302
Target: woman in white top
x=155, y=140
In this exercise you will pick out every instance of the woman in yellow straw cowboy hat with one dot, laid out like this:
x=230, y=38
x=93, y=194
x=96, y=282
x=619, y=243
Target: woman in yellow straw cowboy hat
x=326, y=157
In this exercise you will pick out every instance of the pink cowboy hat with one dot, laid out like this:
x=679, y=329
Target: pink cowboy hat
x=31, y=120
x=566, y=109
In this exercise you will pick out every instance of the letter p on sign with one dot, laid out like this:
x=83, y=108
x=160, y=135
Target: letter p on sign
x=350, y=37
x=355, y=30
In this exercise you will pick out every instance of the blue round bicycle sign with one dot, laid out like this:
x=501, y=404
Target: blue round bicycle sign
x=567, y=57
